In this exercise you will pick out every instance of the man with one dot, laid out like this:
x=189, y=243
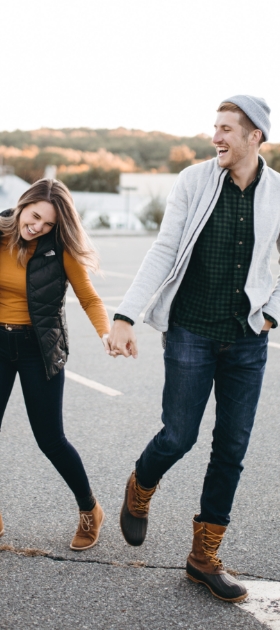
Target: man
x=208, y=277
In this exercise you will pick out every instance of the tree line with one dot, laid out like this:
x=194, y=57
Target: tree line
x=92, y=159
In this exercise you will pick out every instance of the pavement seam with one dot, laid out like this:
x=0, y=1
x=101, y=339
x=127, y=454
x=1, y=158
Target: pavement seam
x=32, y=553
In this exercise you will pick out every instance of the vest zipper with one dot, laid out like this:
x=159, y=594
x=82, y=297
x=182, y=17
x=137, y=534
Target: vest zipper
x=32, y=320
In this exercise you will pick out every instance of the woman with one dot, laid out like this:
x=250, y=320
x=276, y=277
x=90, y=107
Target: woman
x=42, y=247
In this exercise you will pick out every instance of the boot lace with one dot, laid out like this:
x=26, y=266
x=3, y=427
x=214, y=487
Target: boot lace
x=142, y=497
x=211, y=543
x=86, y=522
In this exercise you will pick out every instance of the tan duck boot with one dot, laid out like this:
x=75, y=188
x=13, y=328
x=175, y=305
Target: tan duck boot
x=88, y=530
x=1, y=526
x=134, y=512
x=203, y=565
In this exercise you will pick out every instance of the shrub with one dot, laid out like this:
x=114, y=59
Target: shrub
x=103, y=221
x=152, y=214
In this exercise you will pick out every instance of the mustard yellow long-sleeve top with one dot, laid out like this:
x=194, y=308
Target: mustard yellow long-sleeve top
x=13, y=299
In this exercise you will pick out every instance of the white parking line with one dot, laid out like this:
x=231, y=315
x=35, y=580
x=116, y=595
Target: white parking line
x=263, y=601
x=93, y=384
x=72, y=299
x=272, y=344
x=110, y=307
x=117, y=274
x=112, y=297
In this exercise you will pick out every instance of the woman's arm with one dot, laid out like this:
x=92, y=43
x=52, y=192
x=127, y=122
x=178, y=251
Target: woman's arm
x=89, y=299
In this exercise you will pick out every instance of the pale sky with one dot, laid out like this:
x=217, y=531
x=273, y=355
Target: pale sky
x=144, y=64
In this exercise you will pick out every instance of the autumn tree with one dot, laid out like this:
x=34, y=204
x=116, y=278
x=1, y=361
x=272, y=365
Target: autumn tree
x=180, y=157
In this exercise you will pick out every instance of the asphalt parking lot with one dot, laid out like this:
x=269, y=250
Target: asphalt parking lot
x=45, y=585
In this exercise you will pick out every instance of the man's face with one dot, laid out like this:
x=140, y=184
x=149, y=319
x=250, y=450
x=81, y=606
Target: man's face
x=230, y=139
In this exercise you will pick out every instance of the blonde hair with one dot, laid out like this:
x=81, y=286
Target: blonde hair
x=244, y=120
x=69, y=230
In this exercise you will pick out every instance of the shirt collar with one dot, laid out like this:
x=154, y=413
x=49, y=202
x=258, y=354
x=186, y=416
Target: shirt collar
x=254, y=183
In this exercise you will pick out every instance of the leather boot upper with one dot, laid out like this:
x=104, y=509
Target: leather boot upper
x=206, y=542
x=138, y=498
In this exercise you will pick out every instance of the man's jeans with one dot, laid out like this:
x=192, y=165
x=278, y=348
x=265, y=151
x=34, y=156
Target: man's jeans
x=192, y=363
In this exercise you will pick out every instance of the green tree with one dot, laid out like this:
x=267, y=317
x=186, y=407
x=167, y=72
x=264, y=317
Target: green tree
x=92, y=180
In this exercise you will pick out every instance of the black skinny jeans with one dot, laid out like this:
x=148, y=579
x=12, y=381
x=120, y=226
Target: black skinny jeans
x=19, y=352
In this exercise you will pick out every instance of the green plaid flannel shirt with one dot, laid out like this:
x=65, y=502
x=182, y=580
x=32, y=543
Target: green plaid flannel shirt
x=211, y=300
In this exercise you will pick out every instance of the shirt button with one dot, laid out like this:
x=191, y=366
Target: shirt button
x=237, y=291
x=242, y=196
x=236, y=313
x=240, y=243
x=241, y=219
x=238, y=266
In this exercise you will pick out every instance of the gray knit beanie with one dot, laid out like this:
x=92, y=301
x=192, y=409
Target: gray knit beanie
x=255, y=108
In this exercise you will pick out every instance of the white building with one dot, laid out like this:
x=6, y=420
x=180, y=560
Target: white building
x=11, y=189
x=147, y=185
x=121, y=210
x=136, y=192
x=110, y=206
x=139, y=189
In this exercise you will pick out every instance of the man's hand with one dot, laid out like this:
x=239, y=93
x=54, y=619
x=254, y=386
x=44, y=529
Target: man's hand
x=267, y=325
x=122, y=340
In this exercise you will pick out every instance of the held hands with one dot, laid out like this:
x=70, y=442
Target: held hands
x=121, y=340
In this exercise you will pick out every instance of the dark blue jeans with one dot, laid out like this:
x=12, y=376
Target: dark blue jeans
x=19, y=352
x=192, y=364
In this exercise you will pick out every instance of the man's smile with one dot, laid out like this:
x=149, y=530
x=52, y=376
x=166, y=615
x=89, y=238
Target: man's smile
x=221, y=150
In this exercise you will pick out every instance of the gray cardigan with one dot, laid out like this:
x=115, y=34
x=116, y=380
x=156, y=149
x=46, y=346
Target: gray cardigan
x=189, y=206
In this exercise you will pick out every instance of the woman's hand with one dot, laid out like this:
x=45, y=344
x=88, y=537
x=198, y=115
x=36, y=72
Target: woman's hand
x=112, y=353
x=104, y=340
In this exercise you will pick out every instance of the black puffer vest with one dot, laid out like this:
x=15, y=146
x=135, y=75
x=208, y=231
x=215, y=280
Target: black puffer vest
x=46, y=285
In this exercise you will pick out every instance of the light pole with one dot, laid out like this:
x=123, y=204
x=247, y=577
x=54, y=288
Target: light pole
x=127, y=206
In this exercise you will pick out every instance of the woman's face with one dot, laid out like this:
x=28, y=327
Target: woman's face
x=37, y=219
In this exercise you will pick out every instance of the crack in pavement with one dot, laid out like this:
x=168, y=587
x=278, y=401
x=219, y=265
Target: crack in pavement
x=137, y=564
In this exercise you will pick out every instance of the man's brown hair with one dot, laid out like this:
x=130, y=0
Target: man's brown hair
x=244, y=120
